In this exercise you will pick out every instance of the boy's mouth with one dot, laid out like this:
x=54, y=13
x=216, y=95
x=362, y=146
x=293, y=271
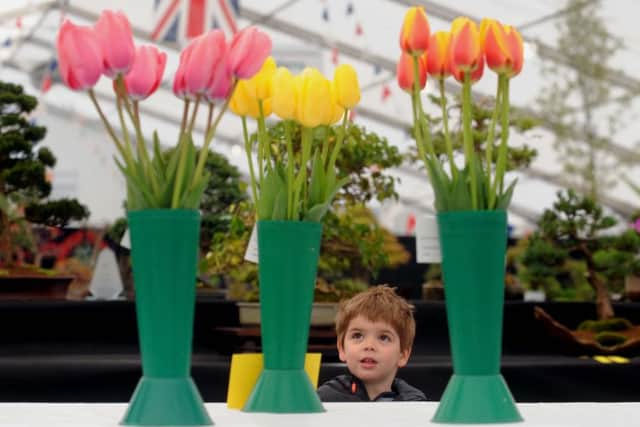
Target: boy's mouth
x=368, y=362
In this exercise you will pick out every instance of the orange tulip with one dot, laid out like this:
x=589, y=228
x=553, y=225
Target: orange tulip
x=502, y=46
x=476, y=74
x=516, y=50
x=465, y=48
x=404, y=72
x=438, y=57
x=414, y=35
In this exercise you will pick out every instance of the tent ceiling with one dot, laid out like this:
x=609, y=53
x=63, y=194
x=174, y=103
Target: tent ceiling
x=299, y=24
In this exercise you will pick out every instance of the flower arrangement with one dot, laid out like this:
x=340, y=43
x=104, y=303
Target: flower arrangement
x=461, y=53
x=208, y=72
x=300, y=185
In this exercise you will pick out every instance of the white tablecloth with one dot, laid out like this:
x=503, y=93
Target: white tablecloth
x=380, y=414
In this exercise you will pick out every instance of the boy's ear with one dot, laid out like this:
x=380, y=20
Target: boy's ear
x=341, y=354
x=404, y=357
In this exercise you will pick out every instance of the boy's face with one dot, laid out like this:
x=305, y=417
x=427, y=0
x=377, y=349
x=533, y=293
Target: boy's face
x=372, y=351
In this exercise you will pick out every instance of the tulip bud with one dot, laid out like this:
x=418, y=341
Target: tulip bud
x=116, y=40
x=438, y=58
x=284, y=97
x=206, y=55
x=259, y=86
x=314, y=106
x=465, y=49
x=405, y=72
x=346, y=86
x=414, y=35
x=249, y=49
x=146, y=74
x=79, y=56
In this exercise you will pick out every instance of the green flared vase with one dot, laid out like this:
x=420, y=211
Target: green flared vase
x=288, y=259
x=473, y=245
x=164, y=251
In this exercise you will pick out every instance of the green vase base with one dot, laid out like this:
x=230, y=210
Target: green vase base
x=477, y=399
x=166, y=402
x=284, y=391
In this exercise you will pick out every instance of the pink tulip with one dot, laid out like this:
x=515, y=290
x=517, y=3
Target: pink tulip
x=79, y=56
x=114, y=33
x=179, y=86
x=222, y=82
x=249, y=49
x=206, y=56
x=146, y=73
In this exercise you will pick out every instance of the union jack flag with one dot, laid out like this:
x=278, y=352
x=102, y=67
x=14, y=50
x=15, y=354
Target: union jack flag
x=182, y=20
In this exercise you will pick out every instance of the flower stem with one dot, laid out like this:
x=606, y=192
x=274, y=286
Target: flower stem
x=339, y=141
x=445, y=124
x=252, y=173
x=106, y=123
x=489, y=144
x=468, y=138
x=194, y=114
x=504, y=136
x=204, y=152
x=185, y=116
x=417, y=119
x=290, y=161
x=265, y=143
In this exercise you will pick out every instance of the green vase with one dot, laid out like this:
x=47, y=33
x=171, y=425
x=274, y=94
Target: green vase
x=164, y=251
x=473, y=245
x=288, y=259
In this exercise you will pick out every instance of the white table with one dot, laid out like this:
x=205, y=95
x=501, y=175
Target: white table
x=380, y=414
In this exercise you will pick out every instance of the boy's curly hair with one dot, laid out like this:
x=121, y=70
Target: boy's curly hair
x=379, y=304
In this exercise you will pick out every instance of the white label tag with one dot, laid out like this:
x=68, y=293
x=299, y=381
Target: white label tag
x=251, y=254
x=427, y=240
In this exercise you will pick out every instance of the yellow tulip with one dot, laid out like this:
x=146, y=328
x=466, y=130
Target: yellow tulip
x=346, y=86
x=337, y=111
x=259, y=86
x=314, y=102
x=284, y=94
x=239, y=102
x=242, y=104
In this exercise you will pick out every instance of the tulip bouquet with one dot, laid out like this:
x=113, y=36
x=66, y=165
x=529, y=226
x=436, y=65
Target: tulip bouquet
x=461, y=53
x=208, y=71
x=282, y=186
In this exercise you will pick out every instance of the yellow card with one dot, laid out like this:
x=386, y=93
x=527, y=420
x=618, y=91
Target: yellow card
x=246, y=368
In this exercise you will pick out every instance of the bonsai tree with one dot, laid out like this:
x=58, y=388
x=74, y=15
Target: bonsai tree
x=24, y=188
x=354, y=247
x=571, y=248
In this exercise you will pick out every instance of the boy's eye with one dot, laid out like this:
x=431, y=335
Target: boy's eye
x=356, y=335
x=385, y=338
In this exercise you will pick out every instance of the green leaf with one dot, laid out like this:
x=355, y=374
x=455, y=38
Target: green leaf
x=503, y=200
x=439, y=182
x=317, y=185
x=158, y=159
x=268, y=192
x=191, y=198
x=460, y=198
x=280, y=205
x=317, y=212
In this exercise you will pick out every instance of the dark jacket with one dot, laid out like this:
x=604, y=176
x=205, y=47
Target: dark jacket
x=349, y=388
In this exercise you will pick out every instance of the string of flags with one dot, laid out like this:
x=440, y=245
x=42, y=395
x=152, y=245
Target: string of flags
x=350, y=11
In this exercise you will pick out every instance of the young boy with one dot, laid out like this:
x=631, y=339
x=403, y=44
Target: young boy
x=375, y=331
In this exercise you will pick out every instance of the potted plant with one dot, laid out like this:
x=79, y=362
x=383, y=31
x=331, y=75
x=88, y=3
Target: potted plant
x=353, y=246
x=163, y=195
x=24, y=191
x=572, y=257
x=470, y=202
